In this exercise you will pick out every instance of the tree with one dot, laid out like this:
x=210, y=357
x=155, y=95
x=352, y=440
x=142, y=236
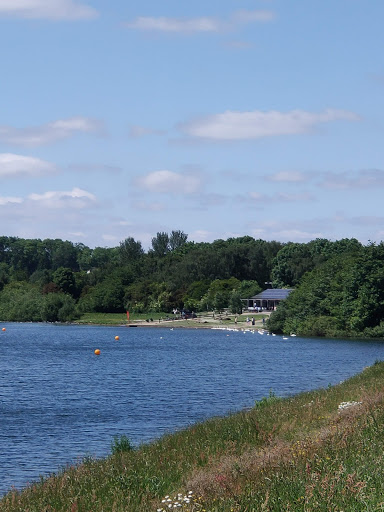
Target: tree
x=177, y=239
x=220, y=301
x=58, y=307
x=64, y=278
x=130, y=250
x=235, y=302
x=160, y=244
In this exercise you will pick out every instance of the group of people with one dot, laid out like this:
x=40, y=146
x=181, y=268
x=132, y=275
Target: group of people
x=251, y=321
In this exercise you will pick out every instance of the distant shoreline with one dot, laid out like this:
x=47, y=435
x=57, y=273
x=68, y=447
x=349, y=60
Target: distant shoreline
x=201, y=322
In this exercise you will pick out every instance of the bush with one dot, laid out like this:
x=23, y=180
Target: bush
x=121, y=444
x=267, y=400
x=58, y=307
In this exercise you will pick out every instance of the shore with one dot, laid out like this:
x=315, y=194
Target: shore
x=203, y=321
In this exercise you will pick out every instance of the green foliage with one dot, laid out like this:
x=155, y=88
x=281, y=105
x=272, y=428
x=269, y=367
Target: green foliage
x=267, y=401
x=58, y=307
x=339, y=286
x=64, y=278
x=104, y=297
x=160, y=244
x=121, y=444
x=235, y=302
x=20, y=302
x=177, y=239
x=249, y=288
x=130, y=251
x=343, y=296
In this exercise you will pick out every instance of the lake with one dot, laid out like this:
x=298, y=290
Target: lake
x=59, y=402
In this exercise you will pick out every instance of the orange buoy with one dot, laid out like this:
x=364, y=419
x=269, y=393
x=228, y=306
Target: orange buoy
x=97, y=351
x=117, y=338
x=3, y=329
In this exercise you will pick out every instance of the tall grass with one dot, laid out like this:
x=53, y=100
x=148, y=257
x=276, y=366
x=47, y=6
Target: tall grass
x=300, y=453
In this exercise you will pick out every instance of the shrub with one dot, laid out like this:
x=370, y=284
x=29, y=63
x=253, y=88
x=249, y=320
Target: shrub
x=121, y=444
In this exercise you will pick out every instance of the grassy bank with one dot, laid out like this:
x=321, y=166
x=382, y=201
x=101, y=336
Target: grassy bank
x=166, y=320
x=318, y=451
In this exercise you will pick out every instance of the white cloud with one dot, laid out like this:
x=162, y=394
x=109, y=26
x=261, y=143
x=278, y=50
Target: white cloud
x=201, y=24
x=232, y=125
x=47, y=9
x=48, y=133
x=17, y=165
x=163, y=24
x=76, y=198
x=169, y=182
x=9, y=200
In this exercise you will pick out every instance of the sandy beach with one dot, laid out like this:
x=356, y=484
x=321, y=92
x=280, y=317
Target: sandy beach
x=206, y=322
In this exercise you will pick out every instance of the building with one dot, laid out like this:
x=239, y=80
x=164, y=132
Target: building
x=267, y=300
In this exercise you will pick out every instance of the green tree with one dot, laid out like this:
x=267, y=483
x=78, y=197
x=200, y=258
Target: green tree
x=220, y=301
x=160, y=244
x=177, y=239
x=64, y=278
x=235, y=302
x=58, y=307
x=130, y=251
x=20, y=302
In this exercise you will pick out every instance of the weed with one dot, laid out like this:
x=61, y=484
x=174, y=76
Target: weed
x=120, y=444
x=267, y=400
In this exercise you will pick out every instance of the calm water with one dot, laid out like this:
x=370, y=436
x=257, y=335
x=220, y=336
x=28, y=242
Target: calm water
x=59, y=402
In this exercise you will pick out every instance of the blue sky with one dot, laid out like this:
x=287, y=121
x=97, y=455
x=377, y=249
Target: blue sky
x=222, y=119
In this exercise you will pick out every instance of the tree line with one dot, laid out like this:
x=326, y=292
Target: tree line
x=338, y=286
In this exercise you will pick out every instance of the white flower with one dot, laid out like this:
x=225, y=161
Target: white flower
x=345, y=405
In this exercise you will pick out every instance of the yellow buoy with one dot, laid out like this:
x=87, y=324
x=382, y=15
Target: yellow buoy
x=117, y=338
x=97, y=352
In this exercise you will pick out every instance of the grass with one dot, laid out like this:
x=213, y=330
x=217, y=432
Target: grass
x=303, y=453
x=225, y=320
x=103, y=319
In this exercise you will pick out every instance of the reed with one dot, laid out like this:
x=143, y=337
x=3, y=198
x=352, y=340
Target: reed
x=316, y=451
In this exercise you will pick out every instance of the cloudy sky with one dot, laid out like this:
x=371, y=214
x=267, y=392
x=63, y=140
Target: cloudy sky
x=221, y=118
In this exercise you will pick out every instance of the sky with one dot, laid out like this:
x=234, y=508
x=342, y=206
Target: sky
x=220, y=118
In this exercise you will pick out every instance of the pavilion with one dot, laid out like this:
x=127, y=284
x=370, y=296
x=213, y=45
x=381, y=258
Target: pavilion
x=267, y=300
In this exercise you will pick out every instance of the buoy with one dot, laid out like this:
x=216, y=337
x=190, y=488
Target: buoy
x=117, y=338
x=3, y=329
x=97, y=351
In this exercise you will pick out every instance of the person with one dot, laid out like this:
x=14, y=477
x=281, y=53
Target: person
x=253, y=320
x=236, y=319
x=263, y=320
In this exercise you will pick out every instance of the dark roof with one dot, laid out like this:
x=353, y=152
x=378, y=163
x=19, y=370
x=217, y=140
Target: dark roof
x=273, y=294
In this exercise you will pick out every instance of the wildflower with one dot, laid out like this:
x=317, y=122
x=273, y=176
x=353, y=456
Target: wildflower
x=345, y=405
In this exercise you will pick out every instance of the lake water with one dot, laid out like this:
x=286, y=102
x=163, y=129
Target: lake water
x=59, y=402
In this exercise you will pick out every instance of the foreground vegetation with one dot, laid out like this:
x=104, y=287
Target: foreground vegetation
x=317, y=451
